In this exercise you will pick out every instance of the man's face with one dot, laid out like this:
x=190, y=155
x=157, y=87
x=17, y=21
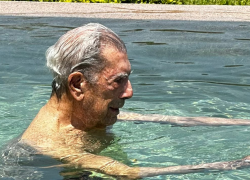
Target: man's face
x=103, y=99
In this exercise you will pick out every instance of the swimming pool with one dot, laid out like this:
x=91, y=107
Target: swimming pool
x=183, y=68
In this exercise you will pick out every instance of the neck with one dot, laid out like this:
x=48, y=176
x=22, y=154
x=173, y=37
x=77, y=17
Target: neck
x=61, y=109
x=67, y=111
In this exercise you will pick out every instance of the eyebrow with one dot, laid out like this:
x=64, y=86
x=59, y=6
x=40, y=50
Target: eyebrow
x=119, y=75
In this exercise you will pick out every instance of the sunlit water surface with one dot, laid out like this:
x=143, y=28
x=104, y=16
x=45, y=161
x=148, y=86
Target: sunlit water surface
x=181, y=68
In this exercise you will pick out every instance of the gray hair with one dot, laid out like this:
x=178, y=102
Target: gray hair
x=80, y=50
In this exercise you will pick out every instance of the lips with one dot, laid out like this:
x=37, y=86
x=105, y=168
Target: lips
x=115, y=110
x=115, y=106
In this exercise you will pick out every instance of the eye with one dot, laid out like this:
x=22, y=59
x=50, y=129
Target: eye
x=119, y=80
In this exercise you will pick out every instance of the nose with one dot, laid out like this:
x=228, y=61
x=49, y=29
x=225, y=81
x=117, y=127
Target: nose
x=128, y=91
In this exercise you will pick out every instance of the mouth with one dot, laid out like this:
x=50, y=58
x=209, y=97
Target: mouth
x=115, y=110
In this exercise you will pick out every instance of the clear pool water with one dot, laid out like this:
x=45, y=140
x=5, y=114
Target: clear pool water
x=183, y=68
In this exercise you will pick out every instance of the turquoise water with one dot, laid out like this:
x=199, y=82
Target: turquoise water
x=183, y=68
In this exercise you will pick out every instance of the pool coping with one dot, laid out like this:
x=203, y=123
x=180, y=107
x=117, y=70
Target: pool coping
x=126, y=11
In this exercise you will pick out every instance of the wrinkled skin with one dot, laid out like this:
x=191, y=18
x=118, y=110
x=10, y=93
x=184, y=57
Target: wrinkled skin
x=103, y=100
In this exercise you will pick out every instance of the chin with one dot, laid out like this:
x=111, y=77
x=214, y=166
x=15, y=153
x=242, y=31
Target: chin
x=101, y=127
x=110, y=121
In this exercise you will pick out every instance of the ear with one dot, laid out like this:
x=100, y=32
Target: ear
x=77, y=83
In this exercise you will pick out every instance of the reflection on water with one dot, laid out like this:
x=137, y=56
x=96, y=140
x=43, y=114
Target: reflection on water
x=242, y=39
x=149, y=43
x=183, y=68
x=33, y=26
x=189, y=31
x=133, y=30
x=233, y=66
x=224, y=83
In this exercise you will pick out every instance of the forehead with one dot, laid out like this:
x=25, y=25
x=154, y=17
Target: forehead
x=116, y=61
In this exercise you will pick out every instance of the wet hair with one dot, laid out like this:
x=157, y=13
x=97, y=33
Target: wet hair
x=80, y=50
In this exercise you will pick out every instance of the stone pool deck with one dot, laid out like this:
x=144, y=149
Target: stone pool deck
x=127, y=11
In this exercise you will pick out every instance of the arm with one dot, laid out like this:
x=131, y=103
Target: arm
x=109, y=166
x=230, y=165
x=102, y=164
x=185, y=121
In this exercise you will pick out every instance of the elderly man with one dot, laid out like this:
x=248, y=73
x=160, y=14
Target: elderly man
x=91, y=83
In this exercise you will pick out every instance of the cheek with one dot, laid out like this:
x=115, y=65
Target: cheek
x=113, y=93
x=99, y=101
x=96, y=112
x=100, y=106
